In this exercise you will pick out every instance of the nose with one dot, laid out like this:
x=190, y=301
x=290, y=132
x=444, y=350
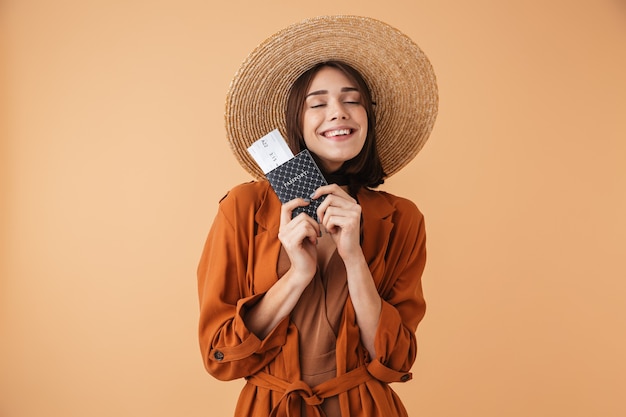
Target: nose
x=338, y=111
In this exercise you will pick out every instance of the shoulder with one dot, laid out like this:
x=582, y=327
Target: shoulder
x=252, y=191
x=250, y=200
x=399, y=203
x=387, y=204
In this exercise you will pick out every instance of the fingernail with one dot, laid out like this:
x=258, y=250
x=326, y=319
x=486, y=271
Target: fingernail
x=307, y=200
x=312, y=195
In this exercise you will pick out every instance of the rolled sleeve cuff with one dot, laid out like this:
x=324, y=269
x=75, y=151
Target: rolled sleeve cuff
x=388, y=375
x=250, y=344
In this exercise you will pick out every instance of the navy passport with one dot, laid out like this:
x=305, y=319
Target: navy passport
x=298, y=177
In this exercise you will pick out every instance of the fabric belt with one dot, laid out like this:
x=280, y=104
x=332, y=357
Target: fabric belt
x=290, y=404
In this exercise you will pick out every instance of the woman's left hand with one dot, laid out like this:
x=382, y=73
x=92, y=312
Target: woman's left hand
x=340, y=214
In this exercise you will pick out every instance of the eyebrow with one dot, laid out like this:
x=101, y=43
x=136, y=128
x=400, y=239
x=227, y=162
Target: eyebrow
x=322, y=92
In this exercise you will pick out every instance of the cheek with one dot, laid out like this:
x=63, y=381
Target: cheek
x=363, y=116
x=309, y=135
x=311, y=120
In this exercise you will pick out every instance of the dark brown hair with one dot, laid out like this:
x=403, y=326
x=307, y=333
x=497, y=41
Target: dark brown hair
x=365, y=169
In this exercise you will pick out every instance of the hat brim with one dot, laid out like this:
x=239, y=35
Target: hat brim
x=400, y=77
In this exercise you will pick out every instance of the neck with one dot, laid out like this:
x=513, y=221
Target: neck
x=339, y=179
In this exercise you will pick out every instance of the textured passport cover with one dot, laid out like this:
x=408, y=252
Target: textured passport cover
x=298, y=177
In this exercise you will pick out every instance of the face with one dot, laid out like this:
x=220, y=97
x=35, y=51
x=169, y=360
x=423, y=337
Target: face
x=334, y=120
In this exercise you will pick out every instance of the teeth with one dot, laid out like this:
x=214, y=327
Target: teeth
x=338, y=132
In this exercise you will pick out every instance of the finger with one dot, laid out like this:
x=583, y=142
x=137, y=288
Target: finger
x=347, y=220
x=310, y=228
x=329, y=189
x=286, y=211
x=348, y=204
x=300, y=228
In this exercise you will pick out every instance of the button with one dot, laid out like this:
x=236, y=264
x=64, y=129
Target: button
x=218, y=355
x=405, y=377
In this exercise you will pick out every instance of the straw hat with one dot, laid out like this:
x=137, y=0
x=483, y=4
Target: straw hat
x=399, y=75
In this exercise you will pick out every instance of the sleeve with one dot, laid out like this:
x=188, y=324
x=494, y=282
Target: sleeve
x=229, y=349
x=403, y=304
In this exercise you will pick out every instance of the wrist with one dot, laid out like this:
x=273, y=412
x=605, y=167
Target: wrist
x=355, y=260
x=297, y=280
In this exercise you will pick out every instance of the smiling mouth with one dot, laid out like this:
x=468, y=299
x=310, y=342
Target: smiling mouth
x=338, y=132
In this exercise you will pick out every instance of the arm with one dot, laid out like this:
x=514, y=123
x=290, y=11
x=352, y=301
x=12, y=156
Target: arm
x=299, y=239
x=241, y=332
x=226, y=292
x=387, y=300
x=365, y=300
x=403, y=304
x=341, y=216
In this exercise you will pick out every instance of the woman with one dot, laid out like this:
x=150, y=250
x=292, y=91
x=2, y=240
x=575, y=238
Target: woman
x=321, y=317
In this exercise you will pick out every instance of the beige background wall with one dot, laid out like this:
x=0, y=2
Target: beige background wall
x=113, y=158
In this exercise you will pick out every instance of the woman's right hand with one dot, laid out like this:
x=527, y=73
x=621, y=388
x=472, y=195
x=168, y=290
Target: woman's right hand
x=299, y=239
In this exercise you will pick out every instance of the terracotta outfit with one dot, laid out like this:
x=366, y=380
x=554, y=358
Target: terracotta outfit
x=240, y=263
